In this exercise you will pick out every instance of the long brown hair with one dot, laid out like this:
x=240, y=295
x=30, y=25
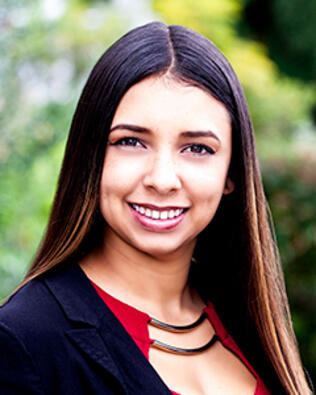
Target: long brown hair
x=241, y=273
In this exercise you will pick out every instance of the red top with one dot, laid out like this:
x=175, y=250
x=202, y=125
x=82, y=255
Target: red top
x=136, y=324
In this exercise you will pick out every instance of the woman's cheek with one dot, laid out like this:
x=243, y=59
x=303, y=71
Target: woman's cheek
x=125, y=167
x=202, y=180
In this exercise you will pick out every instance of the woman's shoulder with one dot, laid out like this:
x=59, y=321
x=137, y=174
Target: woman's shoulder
x=25, y=302
x=53, y=302
x=29, y=311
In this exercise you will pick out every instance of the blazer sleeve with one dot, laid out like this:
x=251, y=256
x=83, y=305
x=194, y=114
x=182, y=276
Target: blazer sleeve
x=18, y=373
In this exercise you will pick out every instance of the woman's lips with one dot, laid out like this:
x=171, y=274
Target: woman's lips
x=157, y=224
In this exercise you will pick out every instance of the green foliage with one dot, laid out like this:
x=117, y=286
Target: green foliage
x=290, y=190
x=288, y=28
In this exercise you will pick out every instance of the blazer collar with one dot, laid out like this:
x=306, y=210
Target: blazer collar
x=74, y=292
x=98, y=333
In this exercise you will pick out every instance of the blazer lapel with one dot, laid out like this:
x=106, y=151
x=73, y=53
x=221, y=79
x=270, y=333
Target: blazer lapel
x=91, y=343
x=99, y=334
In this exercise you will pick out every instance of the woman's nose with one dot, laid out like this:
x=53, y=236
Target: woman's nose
x=161, y=174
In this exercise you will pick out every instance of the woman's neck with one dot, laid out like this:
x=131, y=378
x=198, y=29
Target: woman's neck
x=156, y=285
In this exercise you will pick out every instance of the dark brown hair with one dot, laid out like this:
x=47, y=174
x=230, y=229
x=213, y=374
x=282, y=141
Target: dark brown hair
x=238, y=263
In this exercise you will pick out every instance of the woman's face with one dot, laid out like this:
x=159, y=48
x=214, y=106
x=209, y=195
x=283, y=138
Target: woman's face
x=165, y=167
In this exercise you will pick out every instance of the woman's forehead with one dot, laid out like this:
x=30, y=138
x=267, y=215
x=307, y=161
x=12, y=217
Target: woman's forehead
x=167, y=102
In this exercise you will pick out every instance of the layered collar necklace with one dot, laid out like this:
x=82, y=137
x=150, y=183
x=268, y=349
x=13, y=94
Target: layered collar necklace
x=181, y=329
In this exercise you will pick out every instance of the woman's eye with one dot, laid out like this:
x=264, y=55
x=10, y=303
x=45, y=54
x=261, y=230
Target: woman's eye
x=201, y=149
x=197, y=149
x=128, y=141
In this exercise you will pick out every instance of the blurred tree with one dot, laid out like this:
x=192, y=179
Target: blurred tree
x=288, y=29
x=290, y=189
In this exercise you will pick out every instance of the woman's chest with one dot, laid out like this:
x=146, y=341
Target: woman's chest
x=216, y=371
x=220, y=369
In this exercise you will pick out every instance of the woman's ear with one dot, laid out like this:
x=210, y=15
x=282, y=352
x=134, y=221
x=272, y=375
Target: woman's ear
x=229, y=186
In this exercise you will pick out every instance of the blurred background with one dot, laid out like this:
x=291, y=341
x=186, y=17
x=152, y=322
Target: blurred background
x=47, y=48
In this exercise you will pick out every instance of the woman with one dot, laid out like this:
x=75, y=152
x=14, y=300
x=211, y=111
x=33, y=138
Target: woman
x=158, y=271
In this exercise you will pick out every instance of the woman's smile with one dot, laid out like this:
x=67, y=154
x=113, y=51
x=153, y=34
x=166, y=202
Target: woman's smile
x=158, y=218
x=166, y=164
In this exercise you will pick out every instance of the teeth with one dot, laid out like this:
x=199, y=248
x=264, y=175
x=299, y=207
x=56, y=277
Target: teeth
x=171, y=214
x=141, y=210
x=164, y=215
x=155, y=214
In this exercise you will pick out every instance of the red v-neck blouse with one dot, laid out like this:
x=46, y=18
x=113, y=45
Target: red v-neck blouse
x=135, y=323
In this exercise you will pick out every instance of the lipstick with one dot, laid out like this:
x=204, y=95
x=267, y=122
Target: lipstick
x=157, y=224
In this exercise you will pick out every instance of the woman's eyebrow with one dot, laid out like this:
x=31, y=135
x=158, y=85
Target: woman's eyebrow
x=189, y=133
x=201, y=133
x=133, y=128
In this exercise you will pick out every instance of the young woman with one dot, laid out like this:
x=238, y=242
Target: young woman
x=158, y=271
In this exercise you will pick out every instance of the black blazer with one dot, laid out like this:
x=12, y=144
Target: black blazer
x=57, y=336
